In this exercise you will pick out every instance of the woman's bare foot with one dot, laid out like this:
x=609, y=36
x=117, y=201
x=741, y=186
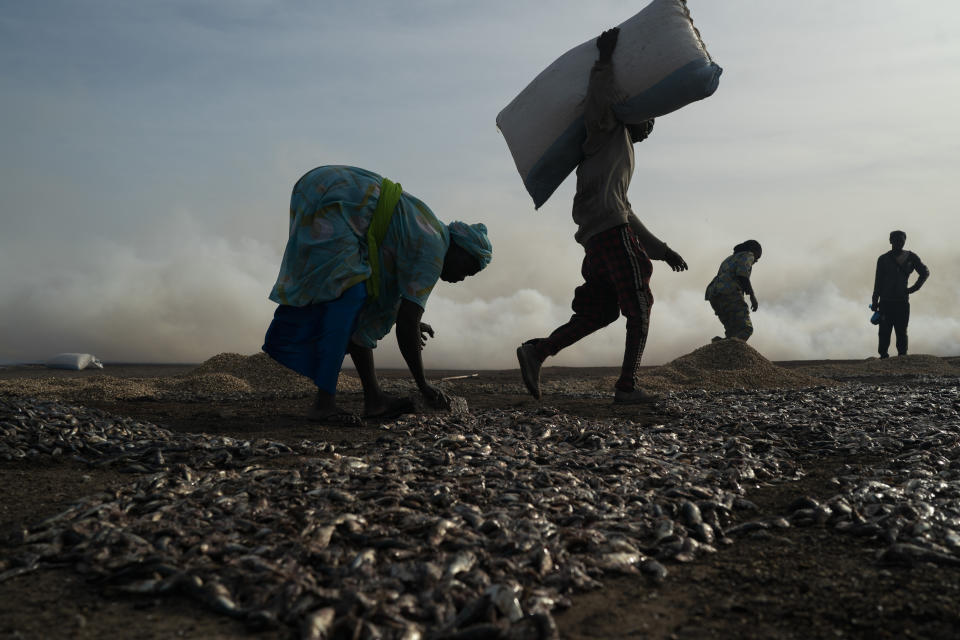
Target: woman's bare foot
x=325, y=410
x=386, y=405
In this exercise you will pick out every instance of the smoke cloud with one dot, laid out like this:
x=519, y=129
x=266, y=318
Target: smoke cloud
x=198, y=293
x=147, y=151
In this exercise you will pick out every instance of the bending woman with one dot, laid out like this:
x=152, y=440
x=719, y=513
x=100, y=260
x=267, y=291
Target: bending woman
x=361, y=256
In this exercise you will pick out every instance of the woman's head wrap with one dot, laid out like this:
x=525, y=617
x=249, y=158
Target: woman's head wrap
x=473, y=239
x=749, y=245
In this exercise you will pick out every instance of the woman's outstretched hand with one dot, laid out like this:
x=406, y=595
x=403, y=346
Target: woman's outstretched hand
x=425, y=332
x=436, y=398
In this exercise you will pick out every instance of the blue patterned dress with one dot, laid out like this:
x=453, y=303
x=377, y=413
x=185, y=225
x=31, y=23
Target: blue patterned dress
x=326, y=254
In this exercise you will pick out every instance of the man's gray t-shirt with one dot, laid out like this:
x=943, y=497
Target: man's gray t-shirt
x=604, y=173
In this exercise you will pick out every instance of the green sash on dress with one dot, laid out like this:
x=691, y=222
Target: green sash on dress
x=377, y=231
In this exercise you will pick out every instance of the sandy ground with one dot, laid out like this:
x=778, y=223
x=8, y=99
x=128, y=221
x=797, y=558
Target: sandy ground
x=804, y=583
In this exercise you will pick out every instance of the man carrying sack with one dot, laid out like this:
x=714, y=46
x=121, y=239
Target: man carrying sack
x=618, y=247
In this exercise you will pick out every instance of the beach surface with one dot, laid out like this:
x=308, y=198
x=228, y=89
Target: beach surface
x=788, y=579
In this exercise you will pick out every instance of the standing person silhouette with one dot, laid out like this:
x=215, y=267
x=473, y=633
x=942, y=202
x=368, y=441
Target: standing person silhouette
x=618, y=247
x=891, y=295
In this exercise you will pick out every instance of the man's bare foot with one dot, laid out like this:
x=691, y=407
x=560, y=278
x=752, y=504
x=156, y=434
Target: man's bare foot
x=637, y=396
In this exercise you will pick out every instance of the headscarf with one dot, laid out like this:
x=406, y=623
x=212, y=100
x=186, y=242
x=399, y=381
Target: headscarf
x=749, y=245
x=473, y=239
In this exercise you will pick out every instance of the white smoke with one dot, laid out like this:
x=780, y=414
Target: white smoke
x=194, y=295
x=197, y=293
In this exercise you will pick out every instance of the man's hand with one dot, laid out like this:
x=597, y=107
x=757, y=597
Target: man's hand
x=754, y=305
x=913, y=289
x=874, y=306
x=607, y=42
x=640, y=132
x=425, y=330
x=676, y=262
x=436, y=398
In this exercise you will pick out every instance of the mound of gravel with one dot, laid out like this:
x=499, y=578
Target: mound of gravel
x=725, y=364
x=223, y=375
x=259, y=371
x=81, y=389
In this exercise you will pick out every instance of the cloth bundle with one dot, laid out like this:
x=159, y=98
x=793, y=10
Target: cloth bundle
x=74, y=361
x=661, y=64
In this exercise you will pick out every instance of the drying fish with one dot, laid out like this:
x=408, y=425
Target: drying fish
x=485, y=522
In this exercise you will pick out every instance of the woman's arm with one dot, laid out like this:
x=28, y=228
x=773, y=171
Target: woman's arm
x=409, y=339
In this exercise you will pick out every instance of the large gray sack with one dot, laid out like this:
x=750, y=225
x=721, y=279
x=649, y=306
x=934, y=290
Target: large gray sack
x=661, y=64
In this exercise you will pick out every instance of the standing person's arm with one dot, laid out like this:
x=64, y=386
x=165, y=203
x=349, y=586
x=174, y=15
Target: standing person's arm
x=875, y=302
x=409, y=338
x=922, y=272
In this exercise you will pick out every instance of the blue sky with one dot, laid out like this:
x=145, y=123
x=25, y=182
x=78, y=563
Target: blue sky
x=147, y=151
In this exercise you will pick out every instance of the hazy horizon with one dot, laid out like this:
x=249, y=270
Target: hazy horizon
x=148, y=152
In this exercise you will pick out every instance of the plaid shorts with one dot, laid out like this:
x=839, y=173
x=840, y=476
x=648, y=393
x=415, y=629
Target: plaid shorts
x=616, y=272
x=616, y=267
